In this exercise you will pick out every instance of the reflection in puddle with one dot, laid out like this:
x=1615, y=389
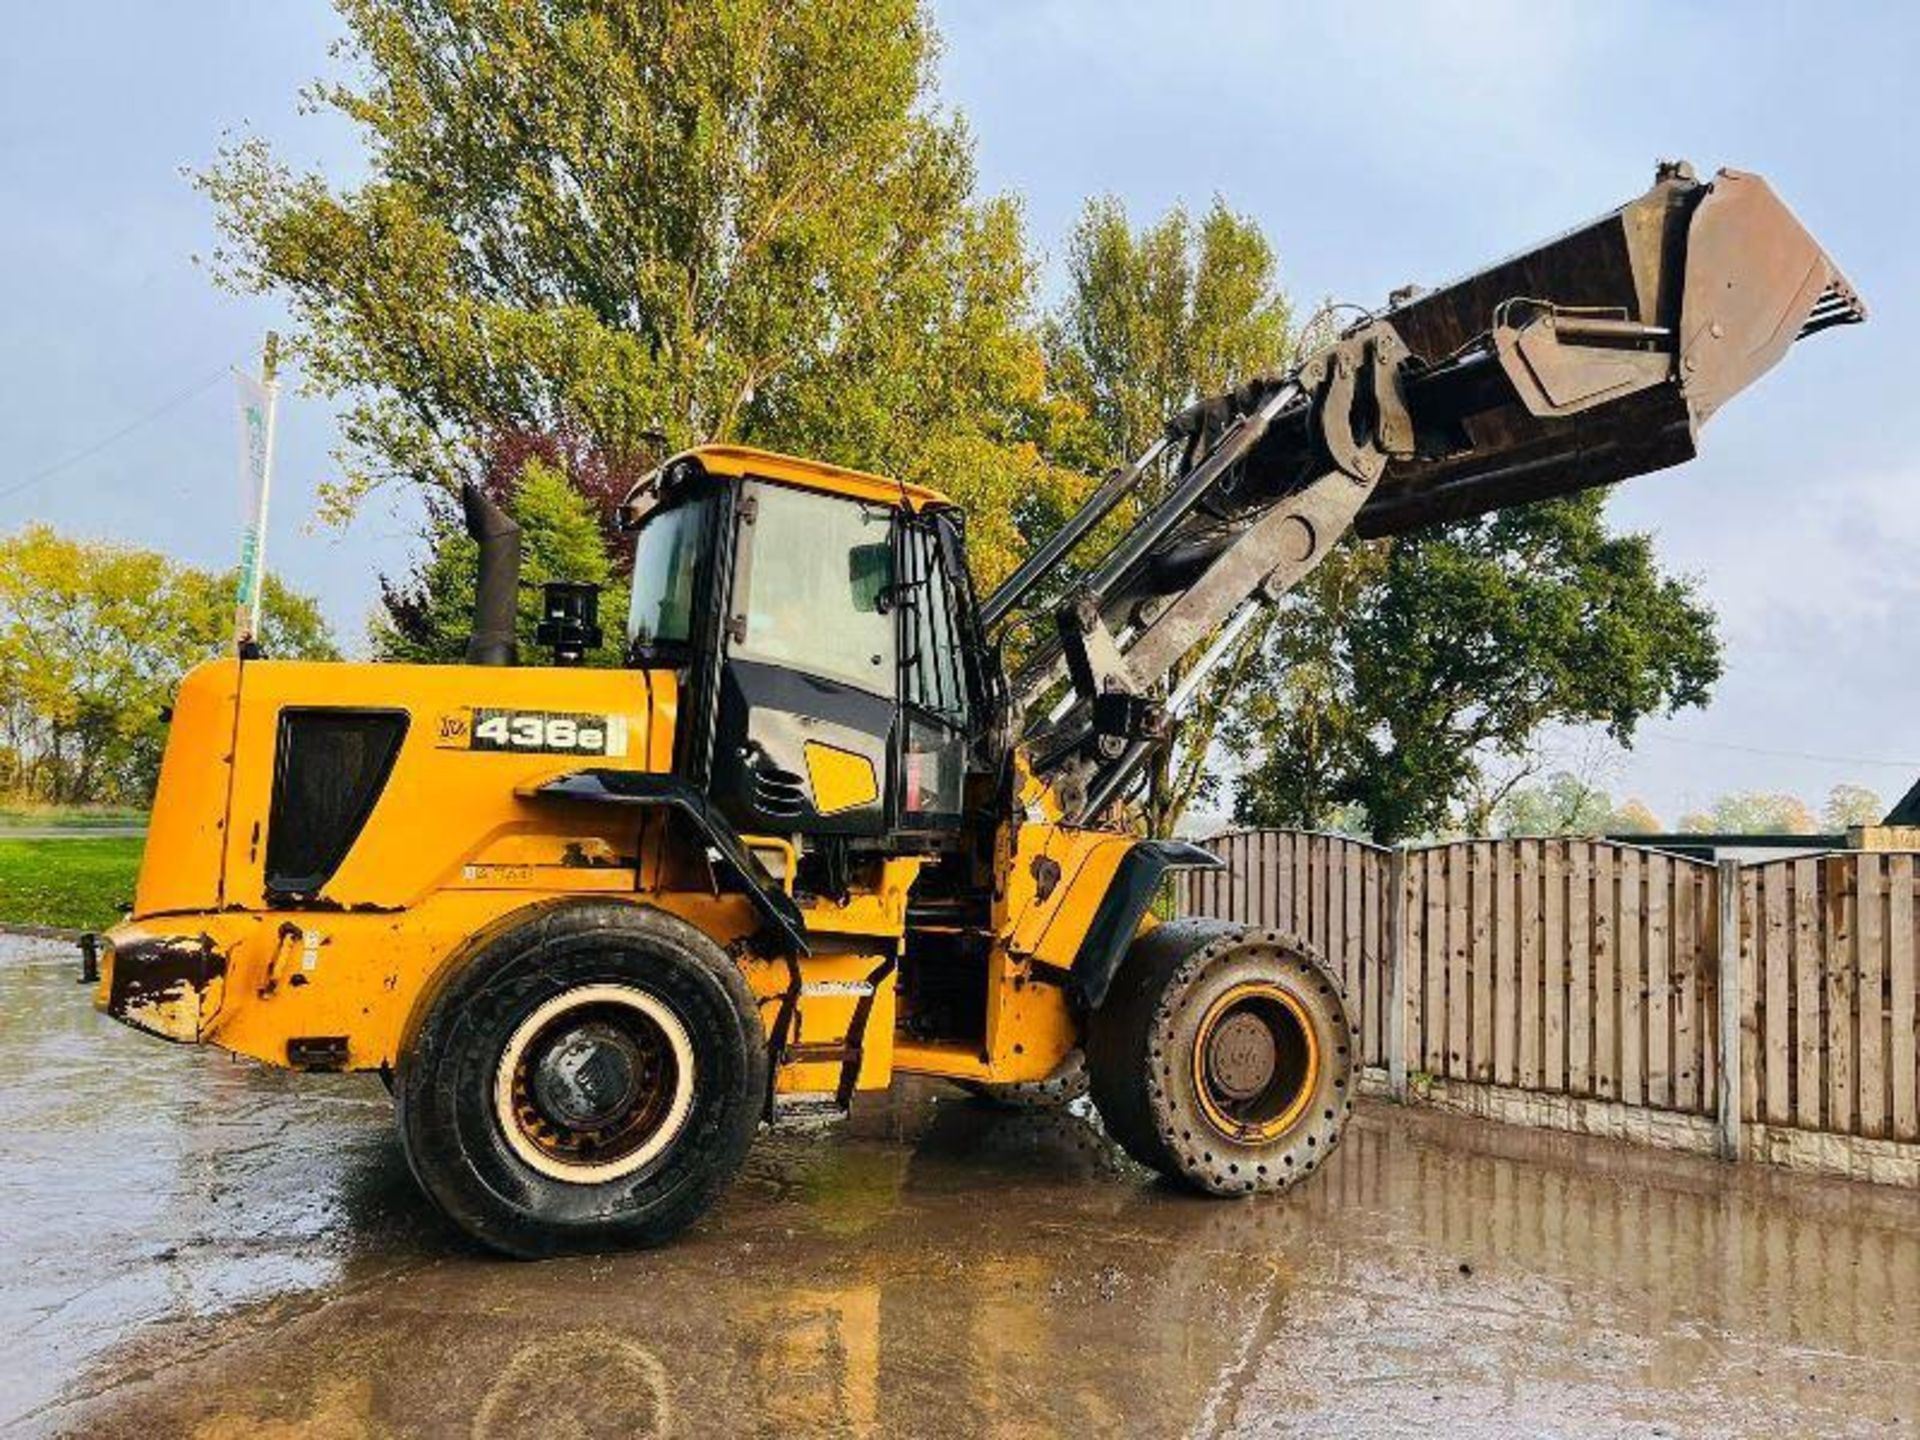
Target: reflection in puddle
x=213, y=1248
x=583, y=1382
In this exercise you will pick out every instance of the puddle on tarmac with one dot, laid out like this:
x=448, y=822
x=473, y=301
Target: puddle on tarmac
x=203, y=1247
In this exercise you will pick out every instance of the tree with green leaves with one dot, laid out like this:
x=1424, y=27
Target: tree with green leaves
x=1752, y=812
x=1426, y=656
x=596, y=229
x=1152, y=320
x=1567, y=803
x=93, y=641
x=427, y=617
x=1156, y=318
x=1851, y=805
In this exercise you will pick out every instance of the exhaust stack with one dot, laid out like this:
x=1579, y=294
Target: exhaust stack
x=496, y=592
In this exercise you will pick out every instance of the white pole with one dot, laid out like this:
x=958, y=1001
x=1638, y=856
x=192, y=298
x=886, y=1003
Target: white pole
x=258, y=404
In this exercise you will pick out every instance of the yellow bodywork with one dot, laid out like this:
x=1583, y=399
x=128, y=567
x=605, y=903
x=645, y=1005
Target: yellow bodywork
x=456, y=849
x=841, y=780
x=742, y=460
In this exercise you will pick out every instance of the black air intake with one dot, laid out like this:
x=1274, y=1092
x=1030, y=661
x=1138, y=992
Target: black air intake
x=329, y=768
x=496, y=594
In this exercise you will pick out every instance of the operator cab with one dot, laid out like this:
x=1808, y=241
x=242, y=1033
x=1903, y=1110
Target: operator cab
x=822, y=622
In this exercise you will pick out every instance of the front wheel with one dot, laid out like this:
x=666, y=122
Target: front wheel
x=591, y=1077
x=1223, y=1057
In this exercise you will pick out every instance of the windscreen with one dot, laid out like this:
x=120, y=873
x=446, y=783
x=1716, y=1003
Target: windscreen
x=666, y=555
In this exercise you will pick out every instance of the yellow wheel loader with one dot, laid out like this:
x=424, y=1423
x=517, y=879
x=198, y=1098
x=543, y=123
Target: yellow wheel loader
x=595, y=926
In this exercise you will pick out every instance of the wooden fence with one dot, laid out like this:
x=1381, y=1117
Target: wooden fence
x=1585, y=969
x=1828, y=995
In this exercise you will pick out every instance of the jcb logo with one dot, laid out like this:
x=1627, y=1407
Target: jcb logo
x=453, y=729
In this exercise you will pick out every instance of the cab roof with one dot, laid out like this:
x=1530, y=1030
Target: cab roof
x=810, y=474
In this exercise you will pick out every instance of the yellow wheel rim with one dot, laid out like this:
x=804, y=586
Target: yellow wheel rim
x=1256, y=1062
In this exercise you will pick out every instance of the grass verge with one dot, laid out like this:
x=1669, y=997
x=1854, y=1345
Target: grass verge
x=79, y=883
x=27, y=815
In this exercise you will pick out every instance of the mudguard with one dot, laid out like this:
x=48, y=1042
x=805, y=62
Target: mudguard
x=781, y=919
x=1121, y=909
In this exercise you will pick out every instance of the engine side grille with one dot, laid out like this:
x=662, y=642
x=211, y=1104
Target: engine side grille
x=330, y=767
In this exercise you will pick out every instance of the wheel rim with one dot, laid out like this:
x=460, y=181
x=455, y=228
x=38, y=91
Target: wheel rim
x=1256, y=1062
x=595, y=1083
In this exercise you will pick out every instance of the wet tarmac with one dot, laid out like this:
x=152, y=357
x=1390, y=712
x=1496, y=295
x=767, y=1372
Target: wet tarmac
x=195, y=1246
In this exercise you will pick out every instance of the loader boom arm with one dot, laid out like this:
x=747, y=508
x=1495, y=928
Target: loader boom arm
x=1586, y=360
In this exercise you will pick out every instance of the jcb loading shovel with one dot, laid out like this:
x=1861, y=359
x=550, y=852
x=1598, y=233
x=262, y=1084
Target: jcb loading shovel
x=595, y=925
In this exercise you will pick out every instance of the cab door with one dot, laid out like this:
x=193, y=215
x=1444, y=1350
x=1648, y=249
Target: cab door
x=806, y=721
x=938, y=679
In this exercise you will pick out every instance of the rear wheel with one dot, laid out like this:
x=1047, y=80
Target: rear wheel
x=592, y=1077
x=1223, y=1057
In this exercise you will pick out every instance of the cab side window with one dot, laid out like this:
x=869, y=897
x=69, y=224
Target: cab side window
x=933, y=681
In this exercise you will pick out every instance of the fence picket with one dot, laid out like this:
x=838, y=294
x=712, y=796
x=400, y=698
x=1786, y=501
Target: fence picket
x=1579, y=967
x=1779, y=1054
x=1432, y=899
x=1633, y=1033
x=1352, y=951
x=1904, y=981
x=1396, y=924
x=1480, y=935
x=1808, y=992
x=1373, y=979
x=1553, y=965
x=1752, y=1063
x=1529, y=964
x=1659, y=872
x=1869, y=996
x=1606, y=998
x=1686, y=986
x=1300, y=920
x=1321, y=929
x=1841, y=960
x=1459, y=998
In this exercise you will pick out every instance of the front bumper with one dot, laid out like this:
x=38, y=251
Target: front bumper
x=167, y=985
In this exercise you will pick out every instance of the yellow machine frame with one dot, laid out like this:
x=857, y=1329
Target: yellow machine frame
x=459, y=847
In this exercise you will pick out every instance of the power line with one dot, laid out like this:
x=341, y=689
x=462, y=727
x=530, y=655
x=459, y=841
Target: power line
x=172, y=403
x=1909, y=765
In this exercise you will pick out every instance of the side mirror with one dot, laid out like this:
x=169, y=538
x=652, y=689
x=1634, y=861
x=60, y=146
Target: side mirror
x=870, y=573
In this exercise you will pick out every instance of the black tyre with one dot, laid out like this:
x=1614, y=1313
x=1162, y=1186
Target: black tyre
x=1066, y=1084
x=1223, y=1057
x=593, y=1077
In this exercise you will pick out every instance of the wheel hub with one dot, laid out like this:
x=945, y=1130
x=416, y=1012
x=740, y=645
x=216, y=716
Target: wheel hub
x=1241, y=1055
x=595, y=1083
x=1256, y=1061
x=588, y=1077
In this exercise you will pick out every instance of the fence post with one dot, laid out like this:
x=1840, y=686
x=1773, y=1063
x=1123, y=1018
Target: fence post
x=1397, y=973
x=1727, y=1130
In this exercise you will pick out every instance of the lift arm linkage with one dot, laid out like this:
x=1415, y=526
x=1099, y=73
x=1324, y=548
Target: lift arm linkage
x=1586, y=360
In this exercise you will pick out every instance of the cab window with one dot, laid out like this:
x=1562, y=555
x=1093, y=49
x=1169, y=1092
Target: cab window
x=811, y=594
x=934, y=679
x=666, y=555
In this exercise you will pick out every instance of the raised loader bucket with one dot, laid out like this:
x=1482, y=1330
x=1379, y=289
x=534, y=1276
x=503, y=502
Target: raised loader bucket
x=1613, y=344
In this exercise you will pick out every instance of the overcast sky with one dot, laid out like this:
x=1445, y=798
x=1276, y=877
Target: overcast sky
x=1376, y=145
